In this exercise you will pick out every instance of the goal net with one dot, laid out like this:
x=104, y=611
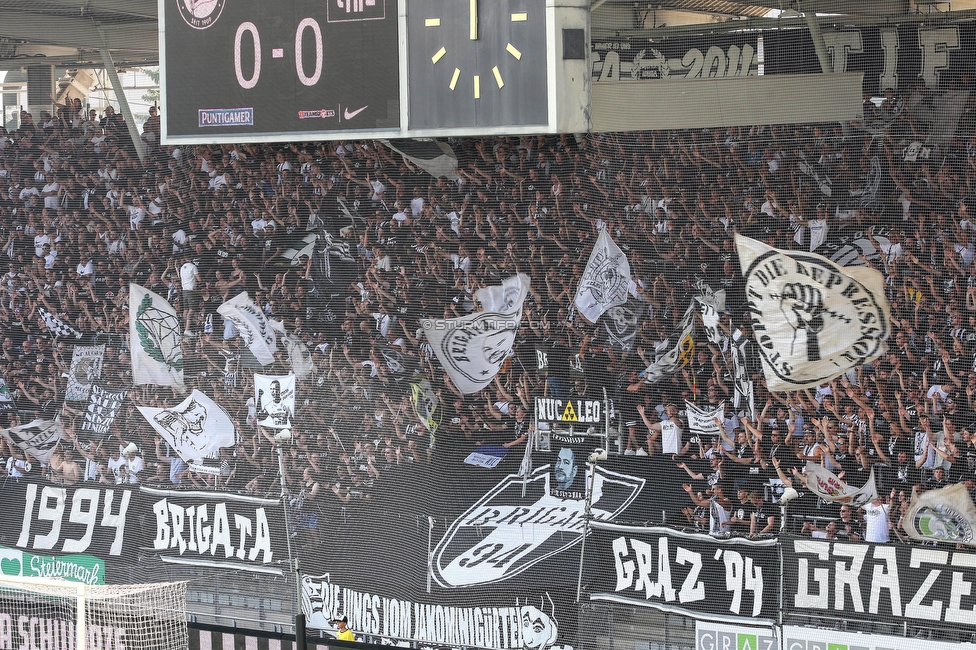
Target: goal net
x=57, y=615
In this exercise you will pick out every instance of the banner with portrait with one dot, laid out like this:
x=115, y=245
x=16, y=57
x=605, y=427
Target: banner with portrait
x=86, y=367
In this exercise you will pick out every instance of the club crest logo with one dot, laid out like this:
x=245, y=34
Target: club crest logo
x=200, y=14
x=812, y=320
x=489, y=543
x=945, y=523
x=159, y=334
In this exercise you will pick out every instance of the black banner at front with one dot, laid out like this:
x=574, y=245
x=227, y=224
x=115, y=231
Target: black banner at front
x=687, y=573
x=217, y=530
x=890, y=56
x=917, y=584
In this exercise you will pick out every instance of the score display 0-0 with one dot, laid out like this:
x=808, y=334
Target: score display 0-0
x=293, y=70
x=278, y=70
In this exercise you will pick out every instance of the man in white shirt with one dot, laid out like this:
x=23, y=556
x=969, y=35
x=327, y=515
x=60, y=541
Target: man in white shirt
x=189, y=279
x=876, y=521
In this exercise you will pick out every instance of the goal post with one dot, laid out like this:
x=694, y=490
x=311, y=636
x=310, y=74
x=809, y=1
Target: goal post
x=49, y=614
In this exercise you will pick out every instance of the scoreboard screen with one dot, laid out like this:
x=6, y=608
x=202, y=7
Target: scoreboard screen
x=245, y=70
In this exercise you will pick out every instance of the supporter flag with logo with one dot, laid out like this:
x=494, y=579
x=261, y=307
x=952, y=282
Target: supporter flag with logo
x=605, y=281
x=155, y=339
x=678, y=350
x=253, y=326
x=86, y=367
x=426, y=404
x=196, y=427
x=275, y=400
x=826, y=485
x=299, y=356
x=812, y=319
x=711, y=303
x=472, y=348
x=944, y=515
x=622, y=322
x=38, y=438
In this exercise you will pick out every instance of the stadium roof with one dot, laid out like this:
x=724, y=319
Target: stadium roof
x=72, y=33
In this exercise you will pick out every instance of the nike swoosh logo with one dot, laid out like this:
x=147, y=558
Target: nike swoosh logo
x=351, y=114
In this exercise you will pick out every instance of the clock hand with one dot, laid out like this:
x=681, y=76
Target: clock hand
x=473, y=19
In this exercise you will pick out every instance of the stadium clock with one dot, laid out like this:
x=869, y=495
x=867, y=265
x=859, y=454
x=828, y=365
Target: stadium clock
x=290, y=67
x=477, y=63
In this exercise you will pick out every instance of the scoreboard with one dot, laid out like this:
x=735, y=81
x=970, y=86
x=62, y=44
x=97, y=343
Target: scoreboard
x=262, y=70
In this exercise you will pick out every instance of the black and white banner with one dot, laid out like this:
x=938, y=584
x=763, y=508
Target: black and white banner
x=921, y=585
x=827, y=486
x=86, y=367
x=519, y=625
x=218, y=530
x=38, y=438
x=683, y=572
x=472, y=348
x=622, y=322
x=701, y=422
x=696, y=57
x=813, y=320
x=677, y=352
x=103, y=407
x=606, y=280
x=56, y=326
x=253, y=326
x=196, y=428
x=891, y=56
x=486, y=544
x=275, y=400
x=65, y=520
x=711, y=304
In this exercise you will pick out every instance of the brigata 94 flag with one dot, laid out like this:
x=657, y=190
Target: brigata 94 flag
x=812, y=319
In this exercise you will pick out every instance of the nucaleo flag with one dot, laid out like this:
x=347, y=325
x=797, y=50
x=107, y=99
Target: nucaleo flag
x=605, y=282
x=472, y=348
x=946, y=515
x=812, y=319
x=155, y=339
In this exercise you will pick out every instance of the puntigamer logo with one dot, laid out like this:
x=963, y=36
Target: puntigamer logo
x=200, y=14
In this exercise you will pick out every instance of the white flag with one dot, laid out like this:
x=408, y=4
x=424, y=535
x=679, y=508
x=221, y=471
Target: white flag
x=472, y=348
x=275, y=400
x=38, y=438
x=196, y=428
x=505, y=297
x=825, y=484
x=299, y=356
x=946, y=515
x=252, y=325
x=701, y=422
x=812, y=319
x=679, y=351
x=605, y=281
x=86, y=367
x=155, y=339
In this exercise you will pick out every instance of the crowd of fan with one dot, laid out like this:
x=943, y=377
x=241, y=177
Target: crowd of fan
x=81, y=217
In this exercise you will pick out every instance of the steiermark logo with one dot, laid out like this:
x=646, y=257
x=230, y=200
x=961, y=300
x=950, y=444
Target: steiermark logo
x=75, y=568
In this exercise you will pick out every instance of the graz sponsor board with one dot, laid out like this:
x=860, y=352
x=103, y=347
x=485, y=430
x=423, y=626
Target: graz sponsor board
x=683, y=572
x=917, y=584
x=715, y=636
x=806, y=638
